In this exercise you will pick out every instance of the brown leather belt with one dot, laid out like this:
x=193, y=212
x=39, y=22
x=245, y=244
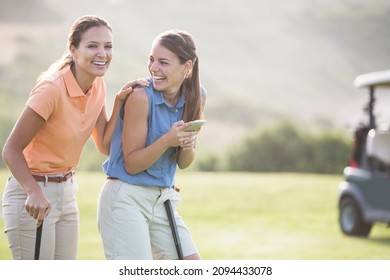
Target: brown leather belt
x=114, y=178
x=55, y=179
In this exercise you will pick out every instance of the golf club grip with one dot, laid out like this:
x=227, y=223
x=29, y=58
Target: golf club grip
x=38, y=242
x=172, y=223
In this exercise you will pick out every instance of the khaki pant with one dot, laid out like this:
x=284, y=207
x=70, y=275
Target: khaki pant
x=60, y=232
x=133, y=223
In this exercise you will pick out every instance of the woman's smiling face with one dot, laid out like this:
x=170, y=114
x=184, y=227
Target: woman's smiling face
x=94, y=53
x=166, y=70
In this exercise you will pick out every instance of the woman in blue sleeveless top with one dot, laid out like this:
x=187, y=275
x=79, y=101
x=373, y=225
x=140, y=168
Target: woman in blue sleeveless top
x=149, y=141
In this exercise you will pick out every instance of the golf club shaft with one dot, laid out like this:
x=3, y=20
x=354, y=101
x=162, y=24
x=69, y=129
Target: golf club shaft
x=38, y=242
x=172, y=223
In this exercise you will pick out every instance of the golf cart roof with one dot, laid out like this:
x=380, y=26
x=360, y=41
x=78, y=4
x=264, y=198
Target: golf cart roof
x=379, y=78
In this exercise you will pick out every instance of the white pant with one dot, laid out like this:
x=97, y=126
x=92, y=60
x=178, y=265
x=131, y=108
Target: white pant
x=60, y=232
x=133, y=222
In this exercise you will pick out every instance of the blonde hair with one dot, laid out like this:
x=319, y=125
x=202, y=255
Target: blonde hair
x=78, y=28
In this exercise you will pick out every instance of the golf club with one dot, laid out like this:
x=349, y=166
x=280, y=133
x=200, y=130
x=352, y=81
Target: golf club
x=172, y=223
x=38, y=242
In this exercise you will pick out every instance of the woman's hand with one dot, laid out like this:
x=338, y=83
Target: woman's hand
x=187, y=144
x=190, y=142
x=128, y=88
x=177, y=137
x=37, y=206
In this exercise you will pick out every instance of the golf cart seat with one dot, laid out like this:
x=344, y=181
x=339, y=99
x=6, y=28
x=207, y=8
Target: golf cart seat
x=378, y=149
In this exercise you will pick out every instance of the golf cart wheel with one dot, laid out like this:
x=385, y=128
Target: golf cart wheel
x=351, y=219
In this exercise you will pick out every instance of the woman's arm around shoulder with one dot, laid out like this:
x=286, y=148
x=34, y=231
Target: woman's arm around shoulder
x=104, y=128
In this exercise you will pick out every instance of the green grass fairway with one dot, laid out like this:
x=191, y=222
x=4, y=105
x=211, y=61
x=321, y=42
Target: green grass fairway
x=247, y=216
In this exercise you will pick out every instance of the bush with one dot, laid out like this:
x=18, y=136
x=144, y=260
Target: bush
x=286, y=149
x=210, y=163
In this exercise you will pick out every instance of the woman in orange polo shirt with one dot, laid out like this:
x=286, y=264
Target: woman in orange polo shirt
x=64, y=109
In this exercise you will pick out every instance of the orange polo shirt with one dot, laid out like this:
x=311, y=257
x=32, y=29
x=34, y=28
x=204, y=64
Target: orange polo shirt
x=70, y=118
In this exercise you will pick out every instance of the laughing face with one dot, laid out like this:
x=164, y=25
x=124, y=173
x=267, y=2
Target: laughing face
x=94, y=53
x=166, y=70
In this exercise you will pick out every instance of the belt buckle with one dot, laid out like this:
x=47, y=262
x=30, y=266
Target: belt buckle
x=63, y=178
x=59, y=179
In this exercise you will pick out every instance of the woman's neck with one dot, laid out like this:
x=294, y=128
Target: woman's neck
x=84, y=81
x=172, y=98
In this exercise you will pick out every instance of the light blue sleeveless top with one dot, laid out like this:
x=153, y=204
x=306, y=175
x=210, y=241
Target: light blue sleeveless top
x=161, y=117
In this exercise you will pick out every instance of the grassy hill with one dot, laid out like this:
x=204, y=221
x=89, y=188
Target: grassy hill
x=246, y=216
x=261, y=61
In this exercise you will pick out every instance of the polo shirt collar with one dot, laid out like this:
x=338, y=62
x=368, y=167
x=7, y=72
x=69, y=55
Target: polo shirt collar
x=71, y=84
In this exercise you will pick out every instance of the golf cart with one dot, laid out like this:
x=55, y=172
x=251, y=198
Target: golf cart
x=364, y=197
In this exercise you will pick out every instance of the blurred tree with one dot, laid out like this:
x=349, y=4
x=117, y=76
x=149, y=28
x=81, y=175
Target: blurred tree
x=284, y=148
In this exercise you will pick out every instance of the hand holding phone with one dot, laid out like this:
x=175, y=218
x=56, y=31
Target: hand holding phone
x=195, y=125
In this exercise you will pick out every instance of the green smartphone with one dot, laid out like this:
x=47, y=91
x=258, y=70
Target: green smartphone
x=196, y=125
